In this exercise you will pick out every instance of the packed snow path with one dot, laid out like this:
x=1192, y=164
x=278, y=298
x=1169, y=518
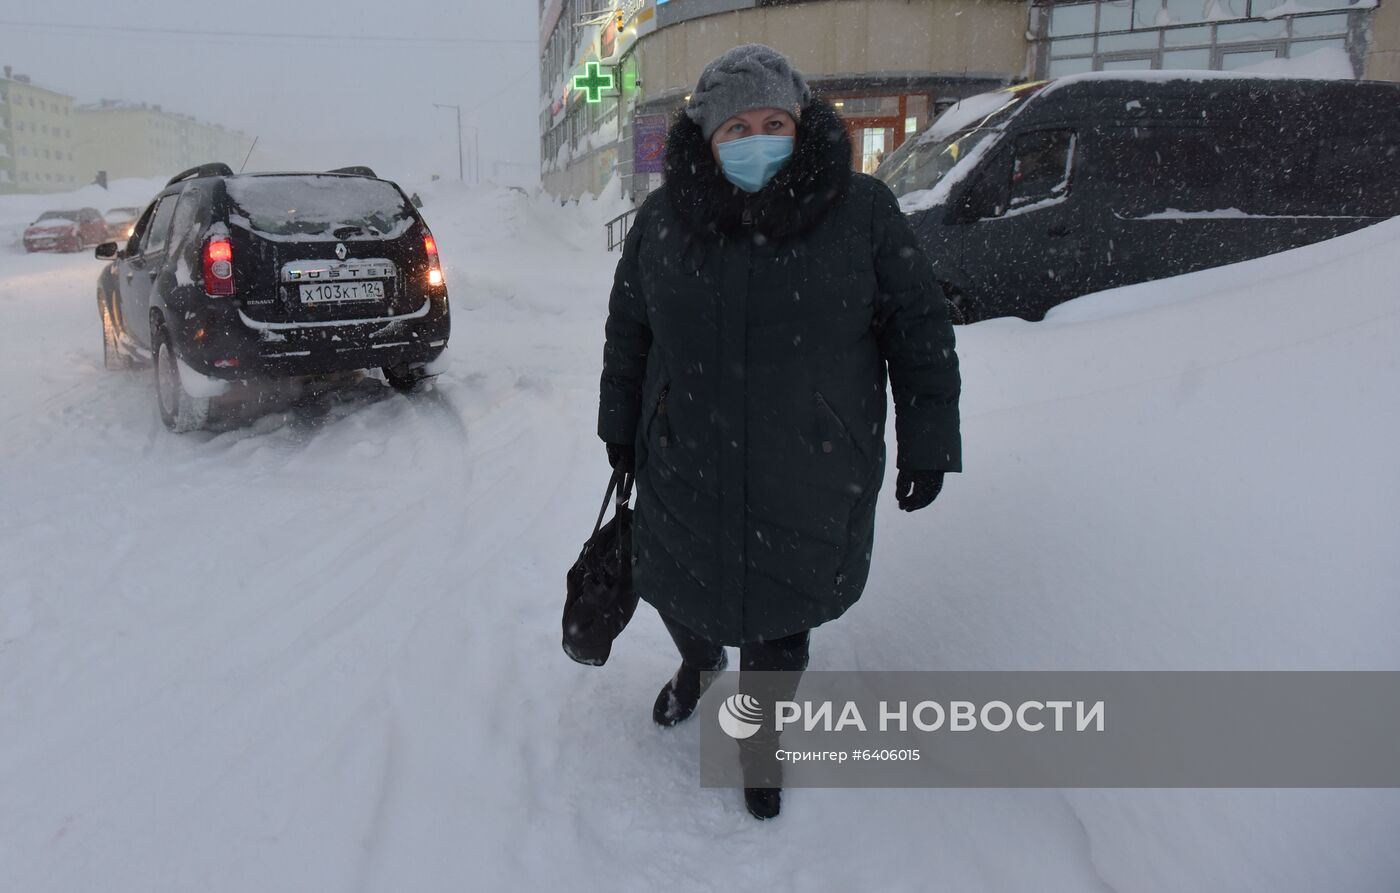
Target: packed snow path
x=318, y=650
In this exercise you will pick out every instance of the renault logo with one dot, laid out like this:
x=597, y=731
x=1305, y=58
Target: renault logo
x=340, y=250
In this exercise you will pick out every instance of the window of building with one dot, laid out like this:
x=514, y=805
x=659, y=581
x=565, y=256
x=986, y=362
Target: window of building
x=875, y=143
x=1111, y=35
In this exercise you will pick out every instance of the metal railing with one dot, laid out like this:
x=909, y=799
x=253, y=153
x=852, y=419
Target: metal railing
x=617, y=229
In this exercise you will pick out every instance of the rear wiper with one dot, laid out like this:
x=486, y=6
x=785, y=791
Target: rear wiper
x=341, y=232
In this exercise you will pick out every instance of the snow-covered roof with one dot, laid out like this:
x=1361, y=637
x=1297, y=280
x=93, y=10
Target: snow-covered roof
x=1163, y=76
x=23, y=80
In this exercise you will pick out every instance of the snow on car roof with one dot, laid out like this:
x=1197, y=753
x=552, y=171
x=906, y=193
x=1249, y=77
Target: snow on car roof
x=965, y=113
x=1162, y=76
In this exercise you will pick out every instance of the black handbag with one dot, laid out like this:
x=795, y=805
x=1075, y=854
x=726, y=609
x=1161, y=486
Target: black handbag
x=600, y=600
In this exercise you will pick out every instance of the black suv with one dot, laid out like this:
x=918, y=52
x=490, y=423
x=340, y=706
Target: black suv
x=228, y=278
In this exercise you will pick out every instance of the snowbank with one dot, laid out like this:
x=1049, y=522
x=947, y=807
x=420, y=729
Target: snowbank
x=1196, y=473
x=1330, y=63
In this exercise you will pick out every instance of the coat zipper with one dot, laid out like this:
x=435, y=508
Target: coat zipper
x=829, y=424
x=663, y=418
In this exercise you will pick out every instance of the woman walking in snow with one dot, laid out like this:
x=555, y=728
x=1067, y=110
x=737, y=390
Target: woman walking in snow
x=762, y=295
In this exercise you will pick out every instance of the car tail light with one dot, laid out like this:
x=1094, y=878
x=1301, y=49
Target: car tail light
x=218, y=266
x=434, y=265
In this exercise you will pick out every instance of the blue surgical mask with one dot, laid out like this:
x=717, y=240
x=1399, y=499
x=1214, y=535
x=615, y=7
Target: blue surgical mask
x=751, y=162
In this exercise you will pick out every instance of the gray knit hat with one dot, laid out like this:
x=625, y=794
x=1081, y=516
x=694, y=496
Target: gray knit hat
x=751, y=76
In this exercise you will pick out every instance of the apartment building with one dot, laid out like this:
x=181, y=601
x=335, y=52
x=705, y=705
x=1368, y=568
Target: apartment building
x=36, y=137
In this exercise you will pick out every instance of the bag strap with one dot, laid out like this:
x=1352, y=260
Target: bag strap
x=624, y=494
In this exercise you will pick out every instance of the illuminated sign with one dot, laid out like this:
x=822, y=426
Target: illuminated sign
x=593, y=83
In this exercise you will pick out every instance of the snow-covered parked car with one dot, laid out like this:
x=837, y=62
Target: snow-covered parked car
x=1029, y=196
x=231, y=278
x=65, y=230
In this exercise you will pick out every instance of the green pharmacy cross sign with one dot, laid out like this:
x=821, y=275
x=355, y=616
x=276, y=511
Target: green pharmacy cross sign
x=593, y=83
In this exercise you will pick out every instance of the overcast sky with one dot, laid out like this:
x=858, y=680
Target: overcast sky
x=322, y=83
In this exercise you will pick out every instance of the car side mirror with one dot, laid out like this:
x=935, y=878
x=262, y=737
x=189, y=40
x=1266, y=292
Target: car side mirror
x=107, y=251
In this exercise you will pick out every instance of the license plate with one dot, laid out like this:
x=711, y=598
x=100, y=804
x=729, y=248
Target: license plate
x=334, y=292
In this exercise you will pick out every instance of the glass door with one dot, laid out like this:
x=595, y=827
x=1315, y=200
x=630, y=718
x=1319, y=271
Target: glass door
x=873, y=144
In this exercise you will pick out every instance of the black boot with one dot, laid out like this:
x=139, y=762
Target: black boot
x=763, y=775
x=763, y=803
x=679, y=697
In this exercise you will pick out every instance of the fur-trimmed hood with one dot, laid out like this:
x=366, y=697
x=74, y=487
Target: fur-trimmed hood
x=813, y=181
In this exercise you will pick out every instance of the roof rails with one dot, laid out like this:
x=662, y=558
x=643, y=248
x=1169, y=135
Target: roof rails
x=358, y=170
x=214, y=169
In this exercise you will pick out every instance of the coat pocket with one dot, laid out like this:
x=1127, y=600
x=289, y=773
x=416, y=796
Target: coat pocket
x=833, y=430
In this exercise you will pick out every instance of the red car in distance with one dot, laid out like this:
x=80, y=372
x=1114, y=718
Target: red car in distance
x=65, y=231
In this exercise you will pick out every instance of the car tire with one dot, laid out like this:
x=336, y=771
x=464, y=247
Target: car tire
x=405, y=378
x=112, y=356
x=178, y=410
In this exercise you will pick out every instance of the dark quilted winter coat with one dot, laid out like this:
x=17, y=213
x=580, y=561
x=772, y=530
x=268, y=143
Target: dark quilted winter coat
x=747, y=344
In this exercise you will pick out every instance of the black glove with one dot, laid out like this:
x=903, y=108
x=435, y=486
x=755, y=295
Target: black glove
x=916, y=489
x=623, y=456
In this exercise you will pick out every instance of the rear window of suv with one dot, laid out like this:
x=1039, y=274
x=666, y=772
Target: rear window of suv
x=310, y=207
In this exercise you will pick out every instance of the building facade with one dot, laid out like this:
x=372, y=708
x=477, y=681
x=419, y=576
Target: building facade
x=128, y=139
x=888, y=66
x=36, y=137
x=613, y=72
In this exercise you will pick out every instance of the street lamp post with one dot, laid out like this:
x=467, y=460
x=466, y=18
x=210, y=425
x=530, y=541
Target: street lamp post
x=461, y=175
x=476, y=153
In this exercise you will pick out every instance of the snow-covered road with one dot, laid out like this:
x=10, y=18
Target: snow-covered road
x=318, y=650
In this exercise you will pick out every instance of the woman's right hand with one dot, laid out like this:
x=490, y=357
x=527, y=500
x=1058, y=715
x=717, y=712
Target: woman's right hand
x=622, y=456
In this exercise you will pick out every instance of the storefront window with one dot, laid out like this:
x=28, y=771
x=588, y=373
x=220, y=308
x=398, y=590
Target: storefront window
x=1185, y=37
x=1176, y=59
x=1308, y=26
x=1115, y=15
x=1303, y=47
x=1072, y=46
x=1263, y=30
x=1242, y=58
x=1134, y=40
x=875, y=142
x=916, y=114
x=859, y=106
x=1231, y=34
x=1143, y=63
x=1062, y=67
x=1072, y=19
